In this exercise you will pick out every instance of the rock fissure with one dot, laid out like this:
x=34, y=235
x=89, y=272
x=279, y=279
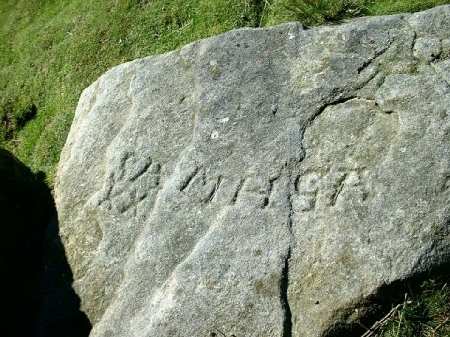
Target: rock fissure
x=374, y=58
x=284, y=280
x=334, y=103
x=284, y=285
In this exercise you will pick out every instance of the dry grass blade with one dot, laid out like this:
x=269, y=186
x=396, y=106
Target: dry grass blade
x=436, y=329
x=379, y=324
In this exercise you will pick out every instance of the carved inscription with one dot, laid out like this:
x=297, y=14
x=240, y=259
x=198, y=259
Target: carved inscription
x=214, y=189
x=189, y=178
x=132, y=180
x=317, y=189
x=237, y=190
x=313, y=189
x=227, y=190
x=306, y=187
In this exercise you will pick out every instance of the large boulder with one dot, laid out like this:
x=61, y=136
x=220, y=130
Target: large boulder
x=264, y=182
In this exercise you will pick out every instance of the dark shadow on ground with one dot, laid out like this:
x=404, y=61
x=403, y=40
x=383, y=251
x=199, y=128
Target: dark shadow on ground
x=36, y=279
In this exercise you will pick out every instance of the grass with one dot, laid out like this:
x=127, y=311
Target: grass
x=426, y=313
x=316, y=12
x=50, y=50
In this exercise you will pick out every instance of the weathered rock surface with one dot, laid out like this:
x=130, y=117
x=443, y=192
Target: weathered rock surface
x=263, y=182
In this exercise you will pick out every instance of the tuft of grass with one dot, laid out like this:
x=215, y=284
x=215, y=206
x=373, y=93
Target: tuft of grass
x=425, y=314
x=315, y=12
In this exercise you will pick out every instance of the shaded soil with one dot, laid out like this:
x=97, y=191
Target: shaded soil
x=36, y=278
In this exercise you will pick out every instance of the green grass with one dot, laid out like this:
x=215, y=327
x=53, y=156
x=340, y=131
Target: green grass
x=50, y=50
x=316, y=12
x=426, y=313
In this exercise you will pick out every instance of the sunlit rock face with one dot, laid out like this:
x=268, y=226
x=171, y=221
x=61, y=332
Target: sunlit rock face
x=264, y=182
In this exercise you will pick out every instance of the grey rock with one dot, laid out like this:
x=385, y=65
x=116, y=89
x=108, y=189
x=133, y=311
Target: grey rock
x=260, y=183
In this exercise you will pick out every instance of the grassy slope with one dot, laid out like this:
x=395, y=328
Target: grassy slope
x=50, y=50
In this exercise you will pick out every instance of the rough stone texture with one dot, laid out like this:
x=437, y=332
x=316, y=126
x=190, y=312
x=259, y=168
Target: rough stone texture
x=263, y=182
